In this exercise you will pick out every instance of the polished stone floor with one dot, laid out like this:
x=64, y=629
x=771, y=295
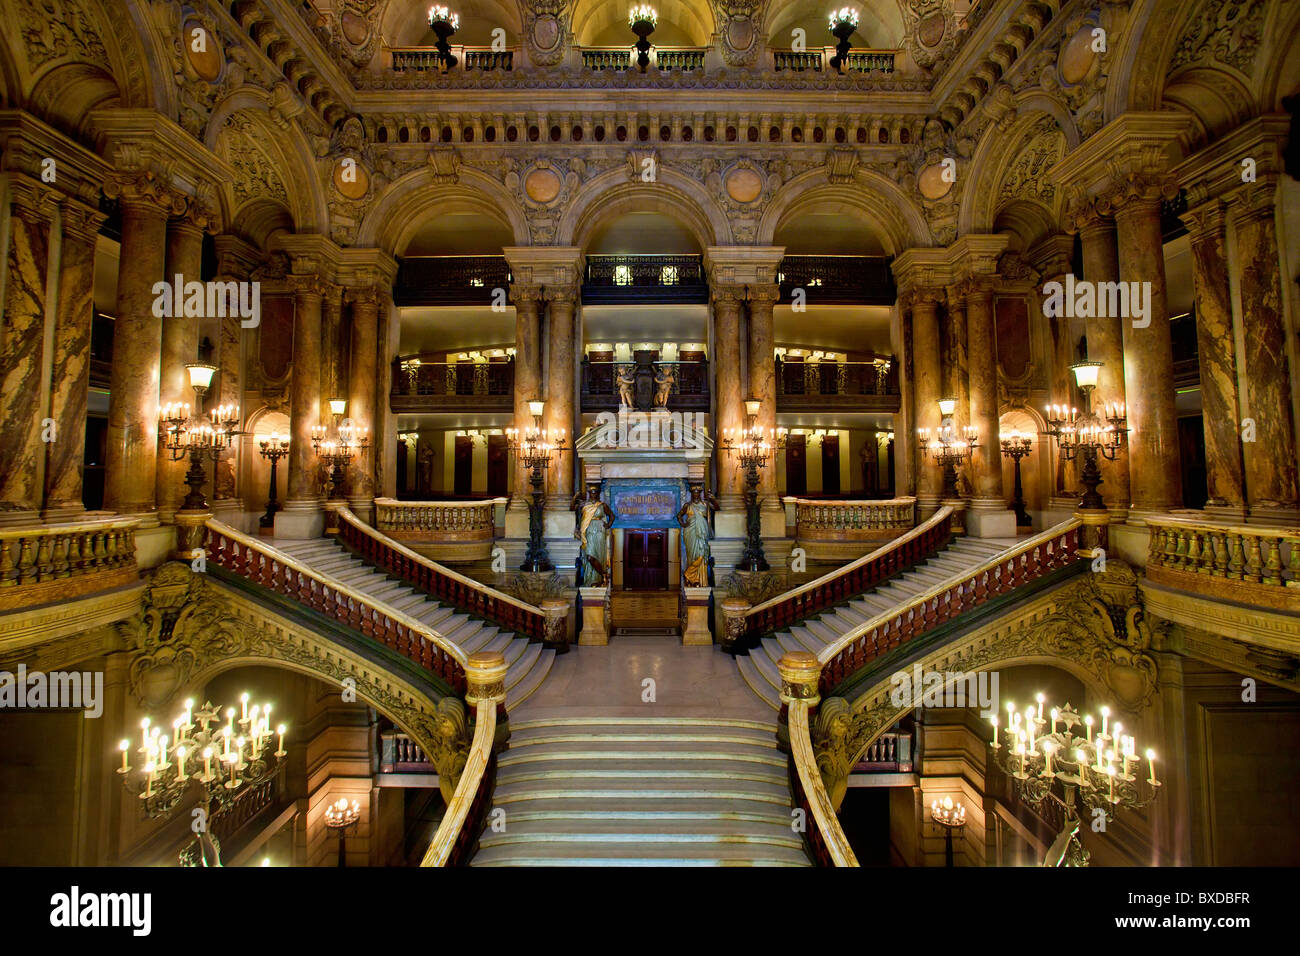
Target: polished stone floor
x=610, y=682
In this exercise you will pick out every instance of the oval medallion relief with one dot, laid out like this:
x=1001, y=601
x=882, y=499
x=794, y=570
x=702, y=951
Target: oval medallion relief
x=355, y=28
x=931, y=182
x=744, y=185
x=546, y=32
x=1077, y=57
x=740, y=34
x=930, y=30
x=351, y=179
x=206, y=61
x=542, y=185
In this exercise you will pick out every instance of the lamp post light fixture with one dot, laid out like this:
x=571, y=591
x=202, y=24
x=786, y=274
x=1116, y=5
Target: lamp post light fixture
x=753, y=449
x=951, y=816
x=533, y=450
x=184, y=434
x=225, y=761
x=339, y=817
x=843, y=22
x=1061, y=771
x=338, y=452
x=1088, y=434
x=444, y=23
x=948, y=448
x=643, y=19
x=273, y=447
x=1016, y=446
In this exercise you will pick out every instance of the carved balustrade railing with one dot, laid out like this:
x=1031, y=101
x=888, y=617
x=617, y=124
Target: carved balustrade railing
x=464, y=594
x=613, y=280
x=817, y=59
x=662, y=57
x=60, y=561
x=891, y=752
x=690, y=390
x=1032, y=559
x=836, y=378
x=854, y=520
x=420, y=375
x=844, y=280
x=451, y=280
x=259, y=563
x=437, y=521
x=1249, y=564
x=824, y=836
x=838, y=586
x=467, y=58
x=398, y=753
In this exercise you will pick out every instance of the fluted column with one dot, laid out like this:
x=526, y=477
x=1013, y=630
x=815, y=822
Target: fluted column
x=561, y=368
x=1148, y=361
x=1106, y=345
x=729, y=398
x=926, y=387
x=131, y=463
x=988, y=516
x=70, y=375
x=180, y=346
x=304, y=397
x=1270, y=460
x=362, y=372
x=528, y=376
x=1217, y=353
x=762, y=386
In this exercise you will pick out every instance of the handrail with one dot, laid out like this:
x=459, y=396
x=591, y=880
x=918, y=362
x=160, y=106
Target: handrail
x=451, y=841
x=1250, y=564
x=109, y=523
x=419, y=518
x=828, y=839
x=844, y=581
x=1189, y=521
x=59, y=561
x=326, y=594
x=464, y=593
x=843, y=656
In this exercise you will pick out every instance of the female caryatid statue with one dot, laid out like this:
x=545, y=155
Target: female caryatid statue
x=592, y=531
x=696, y=532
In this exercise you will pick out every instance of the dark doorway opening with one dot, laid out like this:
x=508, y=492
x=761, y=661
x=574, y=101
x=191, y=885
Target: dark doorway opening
x=645, y=560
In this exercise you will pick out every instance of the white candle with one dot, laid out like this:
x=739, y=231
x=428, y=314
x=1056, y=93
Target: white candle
x=1105, y=720
x=189, y=713
x=280, y=731
x=1151, y=760
x=1082, y=757
x=162, y=752
x=1087, y=722
x=207, y=764
x=243, y=703
x=1055, y=716
x=993, y=719
x=144, y=734
x=1110, y=772
x=124, y=745
x=180, y=763
x=1047, y=752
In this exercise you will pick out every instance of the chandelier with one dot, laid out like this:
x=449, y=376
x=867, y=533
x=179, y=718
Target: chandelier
x=1089, y=435
x=534, y=450
x=947, y=446
x=444, y=23
x=843, y=22
x=844, y=15
x=951, y=816
x=440, y=14
x=273, y=447
x=338, y=451
x=643, y=13
x=1096, y=772
x=1017, y=446
x=184, y=434
x=753, y=447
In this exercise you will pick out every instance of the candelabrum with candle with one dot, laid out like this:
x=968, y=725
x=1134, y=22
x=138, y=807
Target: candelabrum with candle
x=642, y=19
x=273, y=447
x=534, y=450
x=192, y=435
x=1073, y=765
x=843, y=22
x=1088, y=435
x=338, y=450
x=220, y=760
x=754, y=448
x=340, y=817
x=948, y=446
x=1016, y=446
x=951, y=816
x=444, y=23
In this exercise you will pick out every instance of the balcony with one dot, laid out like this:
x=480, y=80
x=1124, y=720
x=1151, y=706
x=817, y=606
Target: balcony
x=422, y=384
x=844, y=386
x=48, y=563
x=838, y=280
x=450, y=280
x=690, y=392
x=617, y=280
x=663, y=59
x=818, y=59
x=468, y=58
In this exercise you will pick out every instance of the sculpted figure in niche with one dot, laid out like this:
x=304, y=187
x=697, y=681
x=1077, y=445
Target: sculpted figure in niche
x=626, y=380
x=696, y=532
x=665, y=379
x=592, y=531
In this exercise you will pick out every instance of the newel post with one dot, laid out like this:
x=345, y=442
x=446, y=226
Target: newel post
x=485, y=679
x=801, y=673
x=733, y=622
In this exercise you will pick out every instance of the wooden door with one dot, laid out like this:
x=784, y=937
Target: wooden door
x=645, y=560
x=831, y=465
x=796, y=465
x=498, y=465
x=402, y=465
x=464, y=481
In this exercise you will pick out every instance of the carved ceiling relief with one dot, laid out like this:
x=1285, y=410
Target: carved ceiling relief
x=1026, y=177
x=738, y=30
x=60, y=30
x=1222, y=33
x=353, y=31
x=931, y=32
x=256, y=173
x=546, y=30
x=934, y=171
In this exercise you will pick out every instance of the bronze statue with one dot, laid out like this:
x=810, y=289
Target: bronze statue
x=626, y=378
x=665, y=379
x=592, y=531
x=696, y=532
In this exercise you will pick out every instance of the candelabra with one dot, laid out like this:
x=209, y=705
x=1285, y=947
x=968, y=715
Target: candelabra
x=224, y=762
x=1062, y=770
x=951, y=816
x=1016, y=446
x=533, y=451
x=444, y=23
x=183, y=434
x=948, y=448
x=339, y=817
x=338, y=452
x=643, y=20
x=1088, y=434
x=272, y=448
x=843, y=22
x=753, y=449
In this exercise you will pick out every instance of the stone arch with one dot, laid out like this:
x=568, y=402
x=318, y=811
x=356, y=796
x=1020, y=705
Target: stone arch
x=880, y=26
x=611, y=194
x=1281, y=76
x=399, y=212
x=689, y=22
x=983, y=200
x=879, y=201
x=478, y=18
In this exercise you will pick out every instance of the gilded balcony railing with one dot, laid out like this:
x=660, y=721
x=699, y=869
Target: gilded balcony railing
x=398, y=753
x=1249, y=564
x=437, y=521
x=422, y=383
x=57, y=562
x=817, y=59
x=468, y=58
x=854, y=520
x=825, y=377
x=661, y=58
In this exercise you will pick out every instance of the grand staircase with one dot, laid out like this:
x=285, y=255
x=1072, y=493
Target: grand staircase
x=814, y=634
x=641, y=791
x=529, y=662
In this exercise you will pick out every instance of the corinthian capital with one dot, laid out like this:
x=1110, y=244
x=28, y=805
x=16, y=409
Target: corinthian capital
x=145, y=187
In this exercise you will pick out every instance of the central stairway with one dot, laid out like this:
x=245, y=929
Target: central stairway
x=641, y=791
x=528, y=661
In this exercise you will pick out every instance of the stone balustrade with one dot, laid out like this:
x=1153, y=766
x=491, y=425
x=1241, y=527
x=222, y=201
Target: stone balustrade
x=1249, y=564
x=49, y=562
x=437, y=521
x=864, y=520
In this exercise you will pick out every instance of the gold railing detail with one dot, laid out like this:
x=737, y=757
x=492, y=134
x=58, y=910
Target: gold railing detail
x=61, y=561
x=1250, y=564
x=437, y=520
x=868, y=519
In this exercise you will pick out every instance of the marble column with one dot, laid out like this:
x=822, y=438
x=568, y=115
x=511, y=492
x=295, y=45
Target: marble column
x=1270, y=460
x=1148, y=363
x=729, y=405
x=926, y=387
x=988, y=516
x=299, y=517
x=70, y=381
x=229, y=360
x=1217, y=351
x=131, y=463
x=1106, y=345
x=180, y=346
x=956, y=364
x=528, y=383
x=333, y=361
x=362, y=372
x=762, y=386
x=559, y=418
x=22, y=345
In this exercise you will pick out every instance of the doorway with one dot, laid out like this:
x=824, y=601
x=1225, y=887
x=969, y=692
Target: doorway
x=645, y=560
x=464, y=467
x=796, y=465
x=498, y=464
x=831, y=465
